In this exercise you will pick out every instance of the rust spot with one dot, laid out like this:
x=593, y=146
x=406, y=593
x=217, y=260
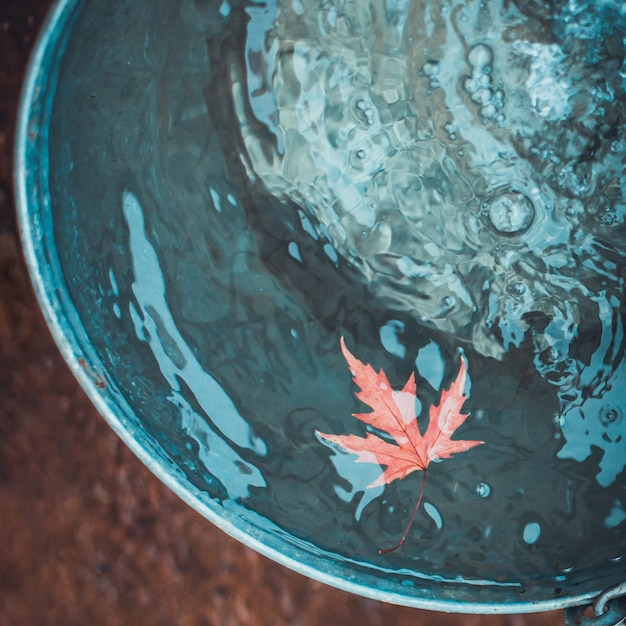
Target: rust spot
x=97, y=379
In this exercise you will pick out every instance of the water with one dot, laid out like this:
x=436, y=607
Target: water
x=519, y=240
x=243, y=184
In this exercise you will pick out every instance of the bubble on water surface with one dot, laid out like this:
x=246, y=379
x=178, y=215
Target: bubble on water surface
x=610, y=415
x=431, y=68
x=511, y=212
x=480, y=56
x=483, y=490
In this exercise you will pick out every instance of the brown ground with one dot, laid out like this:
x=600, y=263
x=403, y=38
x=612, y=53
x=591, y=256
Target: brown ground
x=88, y=536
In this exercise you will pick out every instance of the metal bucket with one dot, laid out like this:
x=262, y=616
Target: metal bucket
x=200, y=236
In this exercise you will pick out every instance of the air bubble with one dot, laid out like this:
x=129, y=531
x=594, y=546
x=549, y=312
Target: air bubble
x=431, y=68
x=480, y=56
x=364, y=111
x=610, y=415
x=448, y=302
x=484, y=80
x=488, y=111
x=511, y=212
x=483, y=490
x=482, y=96
x=470, y=85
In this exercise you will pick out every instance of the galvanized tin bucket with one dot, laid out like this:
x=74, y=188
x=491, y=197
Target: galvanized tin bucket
x=212, y=194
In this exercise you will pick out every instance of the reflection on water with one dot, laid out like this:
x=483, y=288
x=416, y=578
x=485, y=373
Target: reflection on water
x=154, y=325
x=467, y=159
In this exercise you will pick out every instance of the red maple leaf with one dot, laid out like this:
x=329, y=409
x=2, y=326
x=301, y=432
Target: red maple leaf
x=394, y=413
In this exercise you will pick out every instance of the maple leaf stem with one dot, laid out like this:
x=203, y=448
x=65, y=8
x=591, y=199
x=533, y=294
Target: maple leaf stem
x=408, y=526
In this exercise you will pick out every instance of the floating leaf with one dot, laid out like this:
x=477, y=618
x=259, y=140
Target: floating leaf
x=394, y=413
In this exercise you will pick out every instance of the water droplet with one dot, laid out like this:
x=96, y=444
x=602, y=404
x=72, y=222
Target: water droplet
x=483, y=490
x=511, y=212
x=531, y=534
